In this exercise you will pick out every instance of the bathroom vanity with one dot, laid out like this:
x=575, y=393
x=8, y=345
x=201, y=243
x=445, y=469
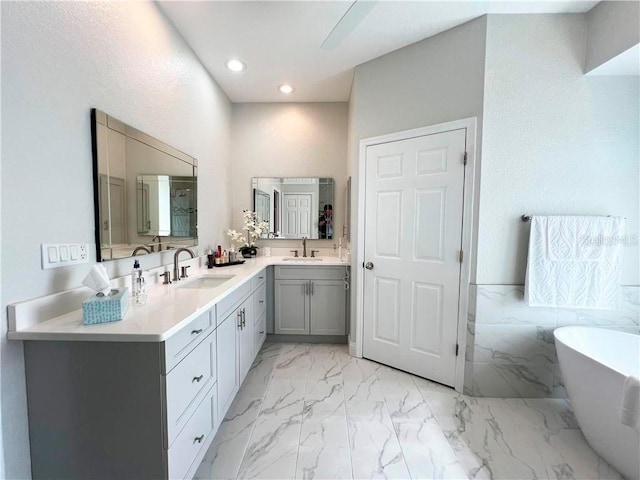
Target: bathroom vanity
x=143, y=397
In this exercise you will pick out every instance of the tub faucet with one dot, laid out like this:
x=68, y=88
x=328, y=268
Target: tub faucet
x=159, y=239
x=141, y=248
x=304, y=247
x=176, y=276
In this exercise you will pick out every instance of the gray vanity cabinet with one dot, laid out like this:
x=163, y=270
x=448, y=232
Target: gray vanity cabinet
x=310, y=300
x=327, y=306
x=292, y=307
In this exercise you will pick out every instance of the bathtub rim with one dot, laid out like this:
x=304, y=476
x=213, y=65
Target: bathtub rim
x=561, y=332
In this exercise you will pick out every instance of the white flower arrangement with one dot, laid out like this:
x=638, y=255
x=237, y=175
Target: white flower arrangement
x=252, y=226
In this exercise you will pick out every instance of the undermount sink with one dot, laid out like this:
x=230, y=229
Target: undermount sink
x=207, y=281
x=302, y=259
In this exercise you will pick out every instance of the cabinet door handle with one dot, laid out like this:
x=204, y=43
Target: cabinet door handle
x=244, y=318
x=197, y=379
x=261, y=332
x=260, y=301
x=198, y=439
x=239, y=315
x=196, y=332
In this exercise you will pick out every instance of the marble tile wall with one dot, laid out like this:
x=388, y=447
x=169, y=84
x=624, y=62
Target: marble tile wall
x=510, y=349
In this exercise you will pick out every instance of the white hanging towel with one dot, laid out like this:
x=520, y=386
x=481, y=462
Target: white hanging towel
x=630, y=409
x=575, y=262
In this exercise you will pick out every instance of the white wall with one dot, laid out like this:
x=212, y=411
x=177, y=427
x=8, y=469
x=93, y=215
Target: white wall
x=437, y=80
x=613, y=27
x=555, y=141
x=288, y=140
x=59, y=59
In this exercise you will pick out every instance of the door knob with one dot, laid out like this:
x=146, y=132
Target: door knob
x=369, y=266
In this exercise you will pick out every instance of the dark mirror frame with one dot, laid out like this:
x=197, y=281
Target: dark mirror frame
x=130, y=207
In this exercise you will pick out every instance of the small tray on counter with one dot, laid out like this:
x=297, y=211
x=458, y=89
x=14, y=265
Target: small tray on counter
x=237, y=262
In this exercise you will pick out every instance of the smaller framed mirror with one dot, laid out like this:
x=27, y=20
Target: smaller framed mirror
x=295, y=207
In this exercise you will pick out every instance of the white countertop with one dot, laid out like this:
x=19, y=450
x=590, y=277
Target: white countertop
x=168, y=309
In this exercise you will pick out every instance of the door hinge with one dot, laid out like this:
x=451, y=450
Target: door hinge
x=464, y=160
x=461, y=256
x=457, y=349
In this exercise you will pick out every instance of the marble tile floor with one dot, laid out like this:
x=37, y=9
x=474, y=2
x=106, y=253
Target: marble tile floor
x=314, y=412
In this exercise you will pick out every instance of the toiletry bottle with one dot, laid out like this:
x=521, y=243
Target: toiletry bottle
x=210, y=258
x=135, y=274
x=225, y=257
x=141, y=294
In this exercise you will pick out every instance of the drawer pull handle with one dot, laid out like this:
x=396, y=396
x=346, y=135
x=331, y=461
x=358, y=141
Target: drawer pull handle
x=260, y=301
x=196, y=332
x=261, y=332
x=197, y=379
x=198, y=439
x=260, y=278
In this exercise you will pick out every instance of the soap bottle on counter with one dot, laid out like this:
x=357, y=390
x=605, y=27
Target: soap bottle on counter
x=138, y=284
x=210, y=259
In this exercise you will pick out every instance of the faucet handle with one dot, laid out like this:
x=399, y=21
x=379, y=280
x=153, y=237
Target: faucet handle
x=184, y=271
x=167, y=278
x=313, y=253
x=295, y=253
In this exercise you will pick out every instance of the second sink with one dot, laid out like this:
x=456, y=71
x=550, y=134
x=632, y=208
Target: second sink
x=207, y=281
x=302, y=259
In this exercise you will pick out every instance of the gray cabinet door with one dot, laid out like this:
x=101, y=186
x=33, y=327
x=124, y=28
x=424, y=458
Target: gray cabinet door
x=245, y=337
x=291, y=307
x=327, y=307
x=226, y=350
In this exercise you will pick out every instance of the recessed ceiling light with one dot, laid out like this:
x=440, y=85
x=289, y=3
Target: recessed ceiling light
x=286, y=88
x=236, y=65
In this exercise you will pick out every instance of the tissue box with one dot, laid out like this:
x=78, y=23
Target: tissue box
x=105, y=309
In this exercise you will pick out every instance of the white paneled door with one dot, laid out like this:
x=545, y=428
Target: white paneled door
x=296, y=215
x=413, y=229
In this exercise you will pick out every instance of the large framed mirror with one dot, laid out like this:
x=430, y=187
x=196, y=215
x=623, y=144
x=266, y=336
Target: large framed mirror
x=145, y=191
x=295, y=207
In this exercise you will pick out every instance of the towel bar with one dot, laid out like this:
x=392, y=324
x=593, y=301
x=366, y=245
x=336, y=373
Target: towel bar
x=526, y=218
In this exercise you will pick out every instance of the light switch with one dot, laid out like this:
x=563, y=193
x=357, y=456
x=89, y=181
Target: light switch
x=56, y=255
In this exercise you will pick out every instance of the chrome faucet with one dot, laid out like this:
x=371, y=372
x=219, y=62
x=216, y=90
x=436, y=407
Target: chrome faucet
x=304, y=247
x=141, y=248
x=176, y=276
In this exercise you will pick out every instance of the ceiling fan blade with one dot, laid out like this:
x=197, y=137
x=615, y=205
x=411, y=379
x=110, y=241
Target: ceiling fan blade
x=347, y=24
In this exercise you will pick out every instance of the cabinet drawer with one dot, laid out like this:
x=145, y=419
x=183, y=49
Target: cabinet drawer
x=309, y=273
x=181, y=343
x=228, y=304
x=260, y=302
x=260, y=333
x=258, y=280
x=187, y=382
x=190, y=446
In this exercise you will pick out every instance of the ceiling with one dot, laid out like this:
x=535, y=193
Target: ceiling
x=282, y=41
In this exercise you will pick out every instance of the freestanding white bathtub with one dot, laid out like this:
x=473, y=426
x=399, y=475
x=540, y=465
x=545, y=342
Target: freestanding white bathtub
x=595, y=363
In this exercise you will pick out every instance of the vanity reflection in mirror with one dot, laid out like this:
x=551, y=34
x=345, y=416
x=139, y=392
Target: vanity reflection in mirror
x=145, y=192
x=295, y=207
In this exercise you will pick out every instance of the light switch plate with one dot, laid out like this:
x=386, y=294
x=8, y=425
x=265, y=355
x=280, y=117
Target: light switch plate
x=55, y=255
